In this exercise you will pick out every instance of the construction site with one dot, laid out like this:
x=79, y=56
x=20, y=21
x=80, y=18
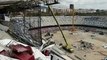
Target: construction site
x=27, y=37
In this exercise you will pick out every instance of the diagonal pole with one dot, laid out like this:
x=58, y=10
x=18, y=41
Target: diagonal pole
x=58, y=25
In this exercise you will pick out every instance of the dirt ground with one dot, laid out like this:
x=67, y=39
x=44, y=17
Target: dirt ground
x=96, y=53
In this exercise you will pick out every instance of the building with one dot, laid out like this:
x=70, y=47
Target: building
x=85, y=10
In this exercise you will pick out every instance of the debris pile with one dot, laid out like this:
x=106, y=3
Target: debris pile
x=19, y=52
x=85, y=45
x=13, y=50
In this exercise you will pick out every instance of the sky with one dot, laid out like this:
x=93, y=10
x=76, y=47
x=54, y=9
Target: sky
x=88, y=4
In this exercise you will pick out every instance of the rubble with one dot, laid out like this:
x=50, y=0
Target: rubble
x=85, y=45
x=13, y=49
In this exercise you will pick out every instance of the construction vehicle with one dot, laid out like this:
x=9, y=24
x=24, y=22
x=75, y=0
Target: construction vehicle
x=66, y=47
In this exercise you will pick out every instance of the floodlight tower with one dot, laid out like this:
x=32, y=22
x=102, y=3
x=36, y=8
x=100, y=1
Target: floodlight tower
x=72, y=9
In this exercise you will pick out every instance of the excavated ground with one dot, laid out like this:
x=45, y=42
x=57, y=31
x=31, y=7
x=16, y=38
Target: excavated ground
x=95, y=52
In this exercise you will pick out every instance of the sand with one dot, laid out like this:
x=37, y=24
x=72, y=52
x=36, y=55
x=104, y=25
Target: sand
x=97, y=53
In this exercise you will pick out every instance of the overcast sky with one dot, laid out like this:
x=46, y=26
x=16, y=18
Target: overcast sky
x=94, y=4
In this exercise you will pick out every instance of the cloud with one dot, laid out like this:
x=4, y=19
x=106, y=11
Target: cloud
x=95, y=4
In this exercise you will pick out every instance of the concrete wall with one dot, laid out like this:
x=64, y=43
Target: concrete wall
x=80, y=20
x=100, y=21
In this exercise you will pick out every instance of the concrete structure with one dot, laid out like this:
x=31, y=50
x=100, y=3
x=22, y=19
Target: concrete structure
x=85, y=10
x=79, y=20
x=67, y=11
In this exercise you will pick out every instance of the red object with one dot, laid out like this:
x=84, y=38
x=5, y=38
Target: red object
x=4, y=52
x=20, y=48
x=46, y=52
x=29, y=50
x=24, y=56
x=22, y=52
